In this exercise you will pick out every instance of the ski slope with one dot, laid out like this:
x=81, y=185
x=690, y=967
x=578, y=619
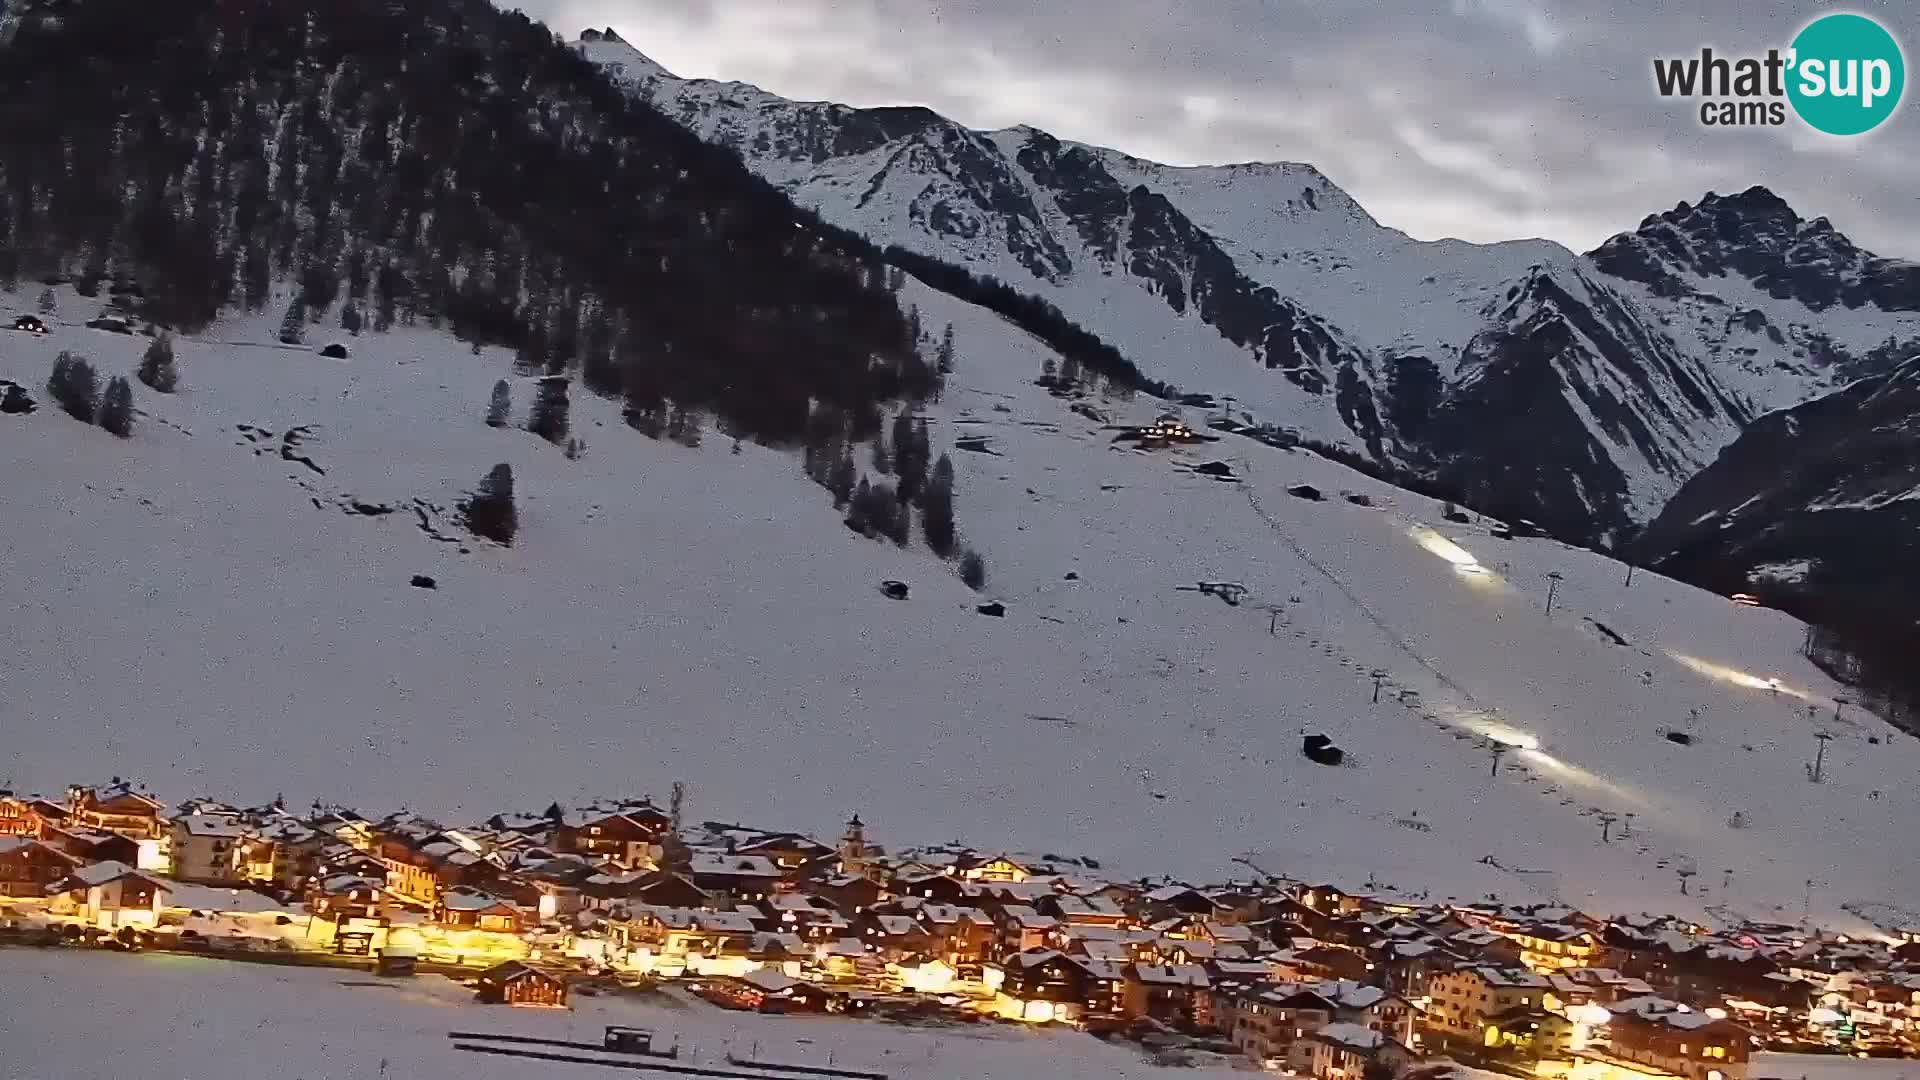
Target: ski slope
x=183, y=609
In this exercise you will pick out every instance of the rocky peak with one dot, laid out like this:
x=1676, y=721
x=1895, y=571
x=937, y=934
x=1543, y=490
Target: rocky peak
x=1756, y=235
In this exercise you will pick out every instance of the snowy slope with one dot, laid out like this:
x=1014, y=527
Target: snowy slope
x=178, y=608
x=1268, y=283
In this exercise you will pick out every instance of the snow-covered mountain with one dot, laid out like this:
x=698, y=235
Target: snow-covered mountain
x=1577, y=390
x=193, y=607
x=1821, y=500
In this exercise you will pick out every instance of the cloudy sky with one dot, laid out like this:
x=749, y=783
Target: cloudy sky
x=1482, y=119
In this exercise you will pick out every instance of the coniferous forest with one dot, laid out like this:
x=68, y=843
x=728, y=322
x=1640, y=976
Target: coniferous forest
x=432, y=162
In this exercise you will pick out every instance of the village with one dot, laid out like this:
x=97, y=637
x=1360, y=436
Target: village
x=1289, y=975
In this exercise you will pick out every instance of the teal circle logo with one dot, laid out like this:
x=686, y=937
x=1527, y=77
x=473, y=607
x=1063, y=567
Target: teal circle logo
x=1848, y=74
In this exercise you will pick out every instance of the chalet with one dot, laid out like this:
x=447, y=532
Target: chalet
x=472, y=909
x=1043, y=986
x=630, y=839
x=28, y=816
x=1462, y=1000
x=1328, y=962
x=790, y=852
x=743, y=877
x=850, y=893
x=996, y=868
x=1021, y=928
x=938, y=888
x=1271, y=1024
x=93, y=846
x=28, y=867
x=679, y=932
x=207, y=849
x=1346, y=1051
x=1593, y=986
x=117, y=808
x=111, y=895
x=1668, y=1037
x=672, y=890
x=963, y=935
x=1172, y=900
x=1533, y=1032
x=1328, y=899
x=1073, y=910
x=1548, y=947
x=517, y=982
x=342, y=897
x=1168, y=994
x=895, y=937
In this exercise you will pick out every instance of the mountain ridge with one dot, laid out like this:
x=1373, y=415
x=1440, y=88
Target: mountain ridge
x=1266, y=283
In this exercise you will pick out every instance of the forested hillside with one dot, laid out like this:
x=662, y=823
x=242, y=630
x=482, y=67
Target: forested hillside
x=440, y=162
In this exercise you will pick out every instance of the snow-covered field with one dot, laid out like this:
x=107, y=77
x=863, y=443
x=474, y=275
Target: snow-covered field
x=102, y=1016
x=180, y=608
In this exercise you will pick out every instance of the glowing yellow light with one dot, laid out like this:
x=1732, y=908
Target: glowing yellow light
x=1439, y=545
x=1723, y=673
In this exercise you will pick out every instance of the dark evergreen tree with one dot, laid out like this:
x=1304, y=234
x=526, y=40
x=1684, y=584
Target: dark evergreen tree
x=490, y=511
x=548, y=416
x=973, y=570
x=157, y=369
x=576, y=449
x=859, y=506
x=910, y=454
x=74, y=387
x=48, y=304
x=116, y=407
x=882, y=459
x=683, y=426
x=936, y=509
x=944, y=360
x=293, y=326
x=350, y=318
x=840, y=476
x=500, y=404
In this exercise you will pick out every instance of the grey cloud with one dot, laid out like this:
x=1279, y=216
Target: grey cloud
x=1483, y=119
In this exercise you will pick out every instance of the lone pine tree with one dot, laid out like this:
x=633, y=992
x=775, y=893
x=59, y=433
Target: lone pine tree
x=157, y=369
x=548, y=416
x=973, y=570
x=293, y=326
x=489, y=510
x=116, y=407
x=936, y=509
x=500, y=405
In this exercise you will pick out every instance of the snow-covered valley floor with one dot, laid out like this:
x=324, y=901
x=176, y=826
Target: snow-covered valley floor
x=88, y=1015
x=191, y=608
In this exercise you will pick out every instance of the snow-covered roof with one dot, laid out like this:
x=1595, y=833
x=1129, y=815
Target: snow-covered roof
x=773, y=982
x=1171, y=974
x=896, y=925
x=213, y=828
x=720, y=863
x=234, y=901
x=1351, y=1036
x=723, y=922
x=104, y=872
x=471, y=900
x=1517, y=978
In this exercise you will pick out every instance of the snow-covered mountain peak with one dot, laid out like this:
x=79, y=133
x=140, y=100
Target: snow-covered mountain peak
x=1757, y=236
x=1267, y=283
